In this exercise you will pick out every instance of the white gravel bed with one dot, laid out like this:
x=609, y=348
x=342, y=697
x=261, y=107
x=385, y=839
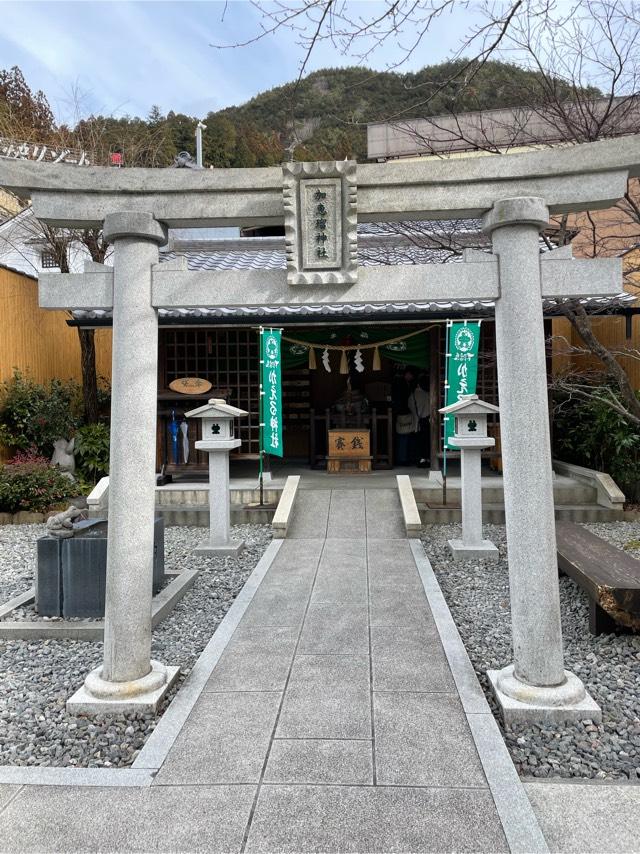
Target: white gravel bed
x=37, y=677
x=17, y=558
x=477, y=593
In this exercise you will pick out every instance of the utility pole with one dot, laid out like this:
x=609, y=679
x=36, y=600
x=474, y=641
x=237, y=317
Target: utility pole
x=199, y=128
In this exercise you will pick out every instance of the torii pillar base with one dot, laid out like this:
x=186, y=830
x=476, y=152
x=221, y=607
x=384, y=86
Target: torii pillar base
x=532, y=704
x=98, y=697
x=230, y=549
x=485, y=549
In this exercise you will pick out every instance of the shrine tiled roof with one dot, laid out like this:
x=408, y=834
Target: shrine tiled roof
x=375, y=248
x=455, y=308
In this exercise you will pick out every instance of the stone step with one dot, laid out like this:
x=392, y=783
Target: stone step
x=198, y=514
x=494, y=513
x=200, y=496
x=574, y=494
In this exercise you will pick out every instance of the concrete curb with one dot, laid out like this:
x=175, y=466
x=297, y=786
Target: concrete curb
x=85, y=630
x=410, y=513
x=518, y=819
x=153, y=754
x=284, y=510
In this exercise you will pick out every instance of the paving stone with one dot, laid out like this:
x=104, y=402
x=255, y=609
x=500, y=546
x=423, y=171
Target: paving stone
x=274, y=608
x=357, y=819
x=424, y=740
x=382, y=499
x=327, y=697
x=257, y=659
x=385, y=525
x=6, y=793
x=406, y=669
x=335, y=629
x=160, y=819
x=346, y=514
x=390, y=607
x=588, y=817
x=225, y=740
x=310, y=514
x=320, y=761
x=342, y=574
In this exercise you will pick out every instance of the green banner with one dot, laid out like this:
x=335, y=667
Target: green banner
x=462, y=368
x=271, y=376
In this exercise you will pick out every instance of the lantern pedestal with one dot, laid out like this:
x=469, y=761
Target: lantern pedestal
x=218, y=440
x=471, y=437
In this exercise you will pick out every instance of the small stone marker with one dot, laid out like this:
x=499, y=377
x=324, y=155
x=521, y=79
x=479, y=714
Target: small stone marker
x=218, y=439
x=471, y=437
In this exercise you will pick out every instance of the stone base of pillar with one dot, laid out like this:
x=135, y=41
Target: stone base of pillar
x=435, y=476
x=229, y=549
x=97, y=696
x=485, y=549
x=522, y=703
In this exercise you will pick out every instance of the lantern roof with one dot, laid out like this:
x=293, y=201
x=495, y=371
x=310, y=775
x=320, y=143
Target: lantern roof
x=470, y=404
x=216, y=408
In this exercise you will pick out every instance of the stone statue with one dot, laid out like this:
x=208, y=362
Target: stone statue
x=61, y=525
x=63, y=457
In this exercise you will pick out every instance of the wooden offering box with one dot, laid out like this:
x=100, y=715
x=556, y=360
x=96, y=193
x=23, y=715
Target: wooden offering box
x=349, y=450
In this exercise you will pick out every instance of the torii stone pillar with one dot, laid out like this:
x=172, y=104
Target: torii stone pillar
x=128, y=679
x=536, y=686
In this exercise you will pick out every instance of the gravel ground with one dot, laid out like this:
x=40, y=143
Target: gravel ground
x=37, y=677
x=477, y=593
x=17, y=558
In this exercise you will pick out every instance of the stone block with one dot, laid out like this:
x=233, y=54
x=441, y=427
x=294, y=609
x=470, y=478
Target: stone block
x=485, y=550
x=26, y=517
x=49, y=577
x=77, y=566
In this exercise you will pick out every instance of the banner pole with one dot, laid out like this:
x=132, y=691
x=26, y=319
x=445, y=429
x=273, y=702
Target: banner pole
x=447, y=356
x=261, y=425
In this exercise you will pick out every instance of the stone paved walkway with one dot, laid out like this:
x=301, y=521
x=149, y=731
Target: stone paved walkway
x=330, y=723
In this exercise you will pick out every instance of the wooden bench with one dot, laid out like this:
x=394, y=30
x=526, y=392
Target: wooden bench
x=610, y=577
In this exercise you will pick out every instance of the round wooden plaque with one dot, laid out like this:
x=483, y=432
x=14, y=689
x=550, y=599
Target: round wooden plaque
x=190, y=385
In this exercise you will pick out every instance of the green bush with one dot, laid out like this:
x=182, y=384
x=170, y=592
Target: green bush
x=34, y=486
x=92, y=452
x=592, y=434
x=33, y=416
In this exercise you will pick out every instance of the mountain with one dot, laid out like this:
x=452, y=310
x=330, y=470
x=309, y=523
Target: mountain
x=330, y=108
x=322, y=117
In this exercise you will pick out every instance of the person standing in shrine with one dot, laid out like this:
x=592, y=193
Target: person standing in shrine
x=419, y=406
x=405, y=424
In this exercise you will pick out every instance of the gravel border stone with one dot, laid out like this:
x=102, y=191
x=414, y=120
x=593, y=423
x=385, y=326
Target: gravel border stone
x=38, y=676
x=477, y=593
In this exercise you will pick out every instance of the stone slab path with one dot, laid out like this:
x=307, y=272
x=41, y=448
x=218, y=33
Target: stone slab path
x=330, y=723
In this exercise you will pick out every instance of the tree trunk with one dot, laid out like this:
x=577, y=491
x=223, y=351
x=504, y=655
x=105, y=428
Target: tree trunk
x=89, y=378
x=581, y=322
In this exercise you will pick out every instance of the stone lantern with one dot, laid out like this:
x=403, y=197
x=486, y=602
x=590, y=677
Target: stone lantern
x=218, y=439
x=470, y=435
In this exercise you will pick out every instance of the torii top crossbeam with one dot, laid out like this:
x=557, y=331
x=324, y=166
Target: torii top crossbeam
x=580, y=177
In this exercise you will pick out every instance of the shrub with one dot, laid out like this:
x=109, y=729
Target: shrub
x=592, y=434
x=35, y=485
x=33, y=416
x=92, y=451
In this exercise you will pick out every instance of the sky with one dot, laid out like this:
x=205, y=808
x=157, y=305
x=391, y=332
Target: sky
x=120, y=58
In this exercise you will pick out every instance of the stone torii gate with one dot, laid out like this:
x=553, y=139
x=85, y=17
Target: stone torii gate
x=319, y=204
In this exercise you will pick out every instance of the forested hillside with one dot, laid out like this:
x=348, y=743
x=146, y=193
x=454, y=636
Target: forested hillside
x=323, y=117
